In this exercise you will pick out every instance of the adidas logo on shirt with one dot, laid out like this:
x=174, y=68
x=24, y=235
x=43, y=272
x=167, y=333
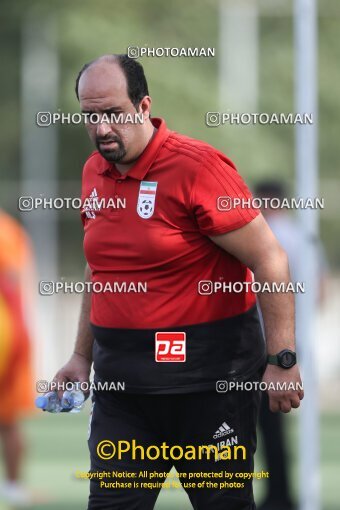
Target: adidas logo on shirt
x=91, y=204
x=223, y=430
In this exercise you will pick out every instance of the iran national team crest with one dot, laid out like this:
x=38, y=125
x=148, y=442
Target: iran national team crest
x=146, y=199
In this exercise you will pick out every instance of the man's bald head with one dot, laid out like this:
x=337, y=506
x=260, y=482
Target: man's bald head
x=114, y=88
x=131, y=70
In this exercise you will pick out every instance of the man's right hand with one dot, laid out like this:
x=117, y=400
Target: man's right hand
x=77, y=369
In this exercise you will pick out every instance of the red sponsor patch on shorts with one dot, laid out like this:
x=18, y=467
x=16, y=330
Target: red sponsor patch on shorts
x=170, y=347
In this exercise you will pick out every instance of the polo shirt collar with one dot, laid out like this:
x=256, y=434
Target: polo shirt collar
x=145, y=160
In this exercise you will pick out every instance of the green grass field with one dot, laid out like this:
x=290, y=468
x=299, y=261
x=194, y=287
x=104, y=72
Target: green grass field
x=57, y=448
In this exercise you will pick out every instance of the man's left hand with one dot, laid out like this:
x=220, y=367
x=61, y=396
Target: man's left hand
x=283, y=400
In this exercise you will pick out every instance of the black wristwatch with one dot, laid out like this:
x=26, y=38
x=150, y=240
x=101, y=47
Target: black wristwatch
x=284, y=359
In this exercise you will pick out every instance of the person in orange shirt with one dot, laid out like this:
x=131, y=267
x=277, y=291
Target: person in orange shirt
x=16, y=380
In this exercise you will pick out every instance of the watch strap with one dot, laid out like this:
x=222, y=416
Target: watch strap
x=273, y=359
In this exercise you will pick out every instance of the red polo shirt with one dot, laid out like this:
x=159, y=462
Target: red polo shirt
x=159, y=244
x=169, y=251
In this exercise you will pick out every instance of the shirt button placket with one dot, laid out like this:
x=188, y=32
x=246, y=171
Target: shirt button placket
x=117, y=184
x=119, y=181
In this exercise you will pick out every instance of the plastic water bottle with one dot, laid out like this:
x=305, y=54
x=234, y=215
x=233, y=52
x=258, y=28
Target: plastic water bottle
x=49, y=402
x=73, y=400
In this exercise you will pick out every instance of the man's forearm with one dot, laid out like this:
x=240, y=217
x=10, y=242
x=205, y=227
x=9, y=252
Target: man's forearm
x=84, y=340
x=257, y=248
x=278, y=308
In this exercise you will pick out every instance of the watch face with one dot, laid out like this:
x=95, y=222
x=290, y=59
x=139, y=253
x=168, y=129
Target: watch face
x=287, y=359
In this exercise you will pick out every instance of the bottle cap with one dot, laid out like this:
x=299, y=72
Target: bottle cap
x=41, y=402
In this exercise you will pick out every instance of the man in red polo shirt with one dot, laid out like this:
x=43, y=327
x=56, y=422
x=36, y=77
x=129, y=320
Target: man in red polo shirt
x=167, y=247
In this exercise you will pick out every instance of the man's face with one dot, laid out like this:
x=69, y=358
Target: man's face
x=103, y=90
